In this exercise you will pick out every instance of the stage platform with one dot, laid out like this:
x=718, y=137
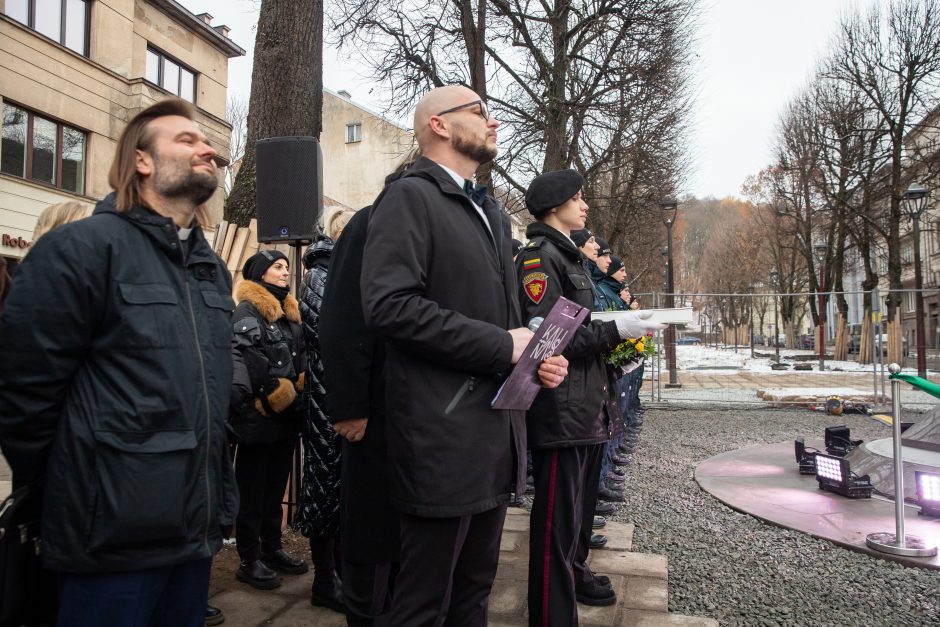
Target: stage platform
x=764, y=481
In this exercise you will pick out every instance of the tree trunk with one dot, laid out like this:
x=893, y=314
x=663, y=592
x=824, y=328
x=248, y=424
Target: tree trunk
x=865, y=352
x=895, y=353
x=286, y=88
x=840, y=351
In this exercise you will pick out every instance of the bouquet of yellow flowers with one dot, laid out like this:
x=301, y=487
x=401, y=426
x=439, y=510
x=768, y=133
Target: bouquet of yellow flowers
x=632, y=349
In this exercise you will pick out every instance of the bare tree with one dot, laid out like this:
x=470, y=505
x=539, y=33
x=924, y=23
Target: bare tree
x=893, y=59
x=237, y=115
x=286, y=88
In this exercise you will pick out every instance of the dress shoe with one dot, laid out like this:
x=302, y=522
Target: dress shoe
x=603, y=508
x=594, y=594
x=599, y=522
x=602, y=580
x=257, y=575
x=328, y=592
x=214, y=616
x=605, y=494
x=598, y=541
x=516, y=501
x=284, y=562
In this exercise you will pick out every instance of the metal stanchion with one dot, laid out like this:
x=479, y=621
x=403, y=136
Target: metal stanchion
x=898, y=543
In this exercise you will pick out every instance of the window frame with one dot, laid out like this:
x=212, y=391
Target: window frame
x=63, y=7
x=356, y=128
x=162, y=58
x=59, y=133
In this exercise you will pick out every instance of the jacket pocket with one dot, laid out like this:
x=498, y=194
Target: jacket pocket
x=150, y=315
x=141, y=480
x=219, y=307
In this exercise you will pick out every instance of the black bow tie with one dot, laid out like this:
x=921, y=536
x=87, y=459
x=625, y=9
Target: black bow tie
x=476, y=193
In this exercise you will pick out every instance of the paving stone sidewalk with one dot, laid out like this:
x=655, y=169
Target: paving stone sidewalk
x=640, y=580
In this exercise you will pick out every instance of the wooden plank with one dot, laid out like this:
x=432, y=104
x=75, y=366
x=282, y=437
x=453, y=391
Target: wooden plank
x=229, y=239
x=237, y=248
x=219, y=239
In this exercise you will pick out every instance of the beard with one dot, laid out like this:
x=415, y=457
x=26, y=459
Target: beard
x=472, y=147
x=173, y=179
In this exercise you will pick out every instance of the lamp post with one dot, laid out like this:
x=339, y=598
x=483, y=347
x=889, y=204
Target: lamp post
x=751, y=288
x=670, y=207
x=820, y=250
x=775, y=282
x=914, y=202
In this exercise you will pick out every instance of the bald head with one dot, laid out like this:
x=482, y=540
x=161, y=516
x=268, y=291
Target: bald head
x=437, y=100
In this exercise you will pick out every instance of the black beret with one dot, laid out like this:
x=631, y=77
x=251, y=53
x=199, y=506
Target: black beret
x=581, y=237
x=616, y=263
x=605, y=247
x=516, y=246
x=552, y=189
x=259, y=263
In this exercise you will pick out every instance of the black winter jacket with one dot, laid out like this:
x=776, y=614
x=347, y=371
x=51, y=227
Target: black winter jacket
x=438, y=287
x=267, y=346
x=318, y=514
x=550, y=266
x=354, y=364
x=115, y=375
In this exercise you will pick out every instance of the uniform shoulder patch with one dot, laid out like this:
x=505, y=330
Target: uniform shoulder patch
x=531, y=263
x=534, y=285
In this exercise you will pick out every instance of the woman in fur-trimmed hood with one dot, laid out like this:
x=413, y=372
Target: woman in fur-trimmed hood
x=268, y=380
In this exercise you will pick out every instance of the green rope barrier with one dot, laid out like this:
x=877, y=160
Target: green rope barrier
x=921, y=384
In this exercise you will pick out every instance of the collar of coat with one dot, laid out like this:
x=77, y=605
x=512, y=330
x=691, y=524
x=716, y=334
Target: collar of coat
x=540, y=229
x=266, y=304
x=430, y=170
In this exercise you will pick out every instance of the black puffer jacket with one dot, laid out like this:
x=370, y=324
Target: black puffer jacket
x=115, y=377
x=550, y=266
x=266, y=348
x=437, y=286
x=319, y=505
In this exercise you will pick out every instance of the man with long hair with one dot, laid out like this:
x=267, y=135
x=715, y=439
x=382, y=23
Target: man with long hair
x=115, y=376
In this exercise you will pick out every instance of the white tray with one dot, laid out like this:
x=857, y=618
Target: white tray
x=673, y=315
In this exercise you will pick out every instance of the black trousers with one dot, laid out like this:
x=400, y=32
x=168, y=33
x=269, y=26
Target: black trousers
x=367, y=590
x=559, y=531
x=261, y=471
x=447, y=569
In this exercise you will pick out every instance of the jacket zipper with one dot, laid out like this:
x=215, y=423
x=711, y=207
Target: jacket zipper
x=205, y=393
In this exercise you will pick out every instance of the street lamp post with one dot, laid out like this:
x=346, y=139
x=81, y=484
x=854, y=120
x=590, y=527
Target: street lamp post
x=820, y=250
x=750, y=323
x=670, y=207
x=775, y=282
x=915, y=201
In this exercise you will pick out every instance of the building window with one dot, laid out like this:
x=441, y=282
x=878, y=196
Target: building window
x=65, y=21
x=907, y=252
x=43, y=150
x=908, y=302
x=171, y=75
x=353, y=133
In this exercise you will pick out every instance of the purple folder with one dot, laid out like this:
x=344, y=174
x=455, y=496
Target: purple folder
x=551, y=338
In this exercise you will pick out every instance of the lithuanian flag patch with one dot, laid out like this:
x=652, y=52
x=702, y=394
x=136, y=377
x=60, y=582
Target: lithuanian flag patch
x=532, y=263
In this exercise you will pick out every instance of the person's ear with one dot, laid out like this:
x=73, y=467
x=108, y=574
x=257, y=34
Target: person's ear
x=144, y=163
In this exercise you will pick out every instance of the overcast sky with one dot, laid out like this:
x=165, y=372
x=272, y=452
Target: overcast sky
x=753, y=56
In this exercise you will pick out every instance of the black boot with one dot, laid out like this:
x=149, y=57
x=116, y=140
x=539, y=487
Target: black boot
x=284, y=562
x=328, y=592
x=256, y=574
x=214, y=616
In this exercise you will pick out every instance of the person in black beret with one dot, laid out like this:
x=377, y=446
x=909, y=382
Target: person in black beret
x=516, y=247
x=567, y=428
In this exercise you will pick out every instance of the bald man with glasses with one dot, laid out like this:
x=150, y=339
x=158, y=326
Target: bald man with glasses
x=442, y=295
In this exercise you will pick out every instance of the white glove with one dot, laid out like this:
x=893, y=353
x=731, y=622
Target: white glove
x=636, y=324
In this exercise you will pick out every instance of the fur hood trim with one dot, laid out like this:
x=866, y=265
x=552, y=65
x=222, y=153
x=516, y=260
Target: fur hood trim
x=266, y=304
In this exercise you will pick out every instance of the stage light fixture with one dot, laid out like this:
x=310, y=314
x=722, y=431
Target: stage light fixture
x=928, y=492
x=839, y=442
x=834, y=474
x=805, y=457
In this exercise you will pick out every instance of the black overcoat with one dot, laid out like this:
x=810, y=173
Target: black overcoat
x=354, y=371
x=115, y=377
x=438, y=286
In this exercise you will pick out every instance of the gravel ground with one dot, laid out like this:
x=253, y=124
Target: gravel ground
x=738, y=570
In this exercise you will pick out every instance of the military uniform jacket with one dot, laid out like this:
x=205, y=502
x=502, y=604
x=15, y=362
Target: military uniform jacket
x=550, y=266
x=437, y=286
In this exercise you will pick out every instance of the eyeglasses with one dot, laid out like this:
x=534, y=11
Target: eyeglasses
x=484, y=112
